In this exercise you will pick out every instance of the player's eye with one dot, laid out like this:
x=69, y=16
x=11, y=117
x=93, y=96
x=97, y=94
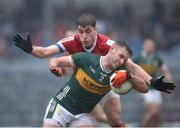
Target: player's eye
x=121, y=56
x=88, y=31
x=80, y=31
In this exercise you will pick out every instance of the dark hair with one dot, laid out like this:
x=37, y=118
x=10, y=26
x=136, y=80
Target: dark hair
x=124, y=44
x=86, y=19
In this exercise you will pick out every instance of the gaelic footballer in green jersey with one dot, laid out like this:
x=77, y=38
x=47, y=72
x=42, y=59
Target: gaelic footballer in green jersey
x=88, y=83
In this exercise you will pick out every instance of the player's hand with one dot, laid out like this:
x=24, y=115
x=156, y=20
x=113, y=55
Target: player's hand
x=161, y=85
x=24, y=44
x=120, y=78
x=57, y=71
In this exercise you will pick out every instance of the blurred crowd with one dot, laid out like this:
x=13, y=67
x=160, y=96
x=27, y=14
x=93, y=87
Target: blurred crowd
x=47, y=23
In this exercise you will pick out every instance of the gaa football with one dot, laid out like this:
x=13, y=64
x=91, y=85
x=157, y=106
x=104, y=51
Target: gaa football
x=122, y=89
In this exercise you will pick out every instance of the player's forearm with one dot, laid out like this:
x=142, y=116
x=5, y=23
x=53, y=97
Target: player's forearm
x=44, y=52
x=139, y=84
x=138, y=71
x=65, y=61
x=38, y=52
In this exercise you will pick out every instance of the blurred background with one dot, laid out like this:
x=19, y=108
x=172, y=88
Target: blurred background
x=26, y=85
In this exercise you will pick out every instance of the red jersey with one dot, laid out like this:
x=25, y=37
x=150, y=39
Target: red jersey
x=73, y=45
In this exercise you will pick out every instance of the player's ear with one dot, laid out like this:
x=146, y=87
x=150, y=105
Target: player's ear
x=95, y=28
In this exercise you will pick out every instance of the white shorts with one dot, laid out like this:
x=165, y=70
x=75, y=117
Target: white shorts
x=108, y=96
x=153, y=96
x=59, y=116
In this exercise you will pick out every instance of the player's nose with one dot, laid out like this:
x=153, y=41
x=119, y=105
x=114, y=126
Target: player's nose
x=84, y=35
x=121, y=62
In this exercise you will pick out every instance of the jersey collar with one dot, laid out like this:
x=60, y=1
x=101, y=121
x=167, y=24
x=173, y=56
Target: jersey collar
x=102, y=68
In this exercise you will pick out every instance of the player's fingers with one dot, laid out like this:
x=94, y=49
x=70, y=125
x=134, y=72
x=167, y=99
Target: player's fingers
x=168, y=91
x=112, y=80
x=170, y=86
x=117, y=83
x=16, y=39
x=114, y=84
x=19, y=45
x=59, y=73
x=19, y=36
x=28, y=37
x=161, y=78
x=116, y=72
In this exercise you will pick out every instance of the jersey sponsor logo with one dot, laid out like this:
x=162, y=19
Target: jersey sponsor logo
x=92, y=69
x=89, y=84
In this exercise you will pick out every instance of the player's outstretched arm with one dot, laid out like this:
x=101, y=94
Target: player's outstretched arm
x=40, y=52
x=161, y=85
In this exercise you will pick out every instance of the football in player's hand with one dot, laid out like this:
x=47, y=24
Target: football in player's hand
x=123, y=87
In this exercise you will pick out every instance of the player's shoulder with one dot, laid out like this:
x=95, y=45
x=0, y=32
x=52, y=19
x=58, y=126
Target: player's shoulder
x=70, y=41
x=101, y=38
x=86, y=54
x=67, y=39
x=83, y=57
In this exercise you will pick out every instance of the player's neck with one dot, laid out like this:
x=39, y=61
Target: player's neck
x=104, y=63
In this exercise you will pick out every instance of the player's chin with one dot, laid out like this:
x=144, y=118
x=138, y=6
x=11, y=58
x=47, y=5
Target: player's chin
x=114, y=67
x=85, y=43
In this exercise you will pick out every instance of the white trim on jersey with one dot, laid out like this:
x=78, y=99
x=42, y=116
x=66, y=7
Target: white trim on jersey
x=92, y=48
x=108, y=71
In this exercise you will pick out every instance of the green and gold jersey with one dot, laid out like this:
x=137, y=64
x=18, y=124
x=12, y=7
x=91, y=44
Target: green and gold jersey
x=87, y=85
